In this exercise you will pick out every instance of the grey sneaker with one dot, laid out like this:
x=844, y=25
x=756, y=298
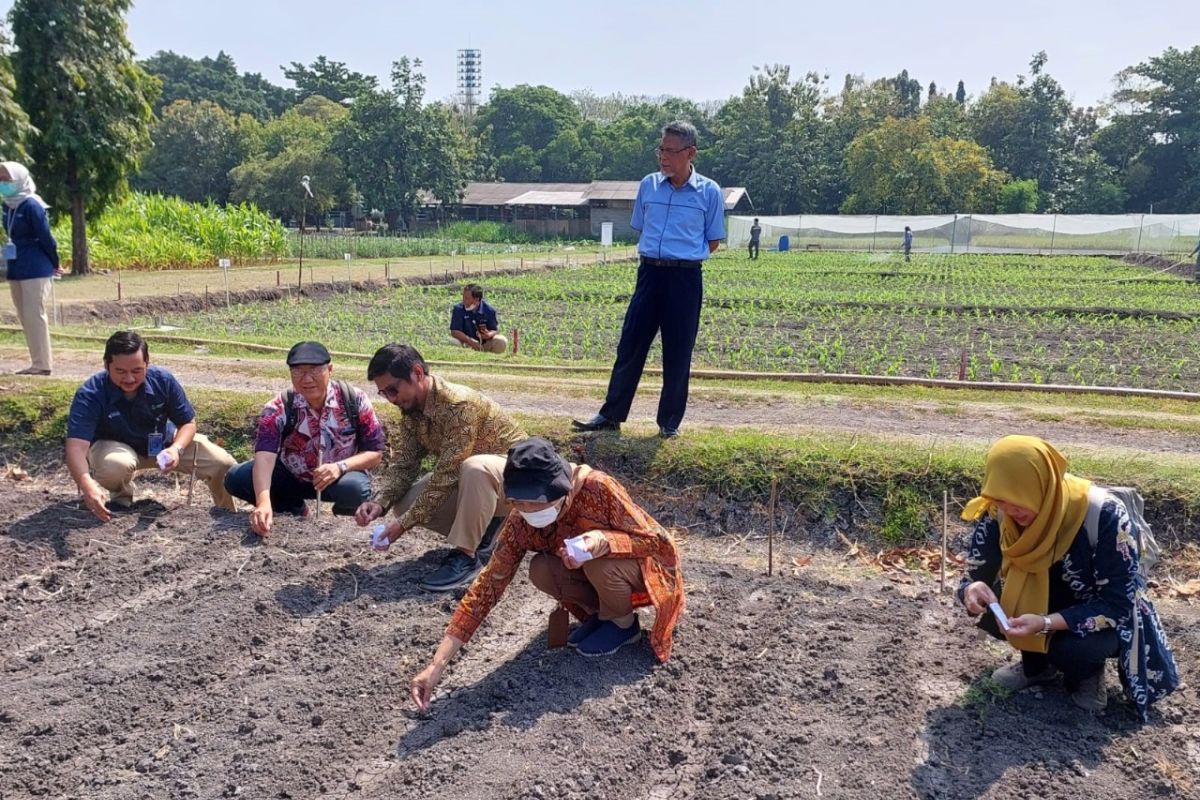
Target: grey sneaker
x=1012, y=676
x=1091, y=694
x=456, y=571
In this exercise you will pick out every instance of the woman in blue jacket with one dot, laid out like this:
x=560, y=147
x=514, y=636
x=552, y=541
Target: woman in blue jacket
x=31, y=256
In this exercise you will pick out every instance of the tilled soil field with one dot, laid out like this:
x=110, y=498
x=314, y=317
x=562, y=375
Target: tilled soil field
x=167, y=654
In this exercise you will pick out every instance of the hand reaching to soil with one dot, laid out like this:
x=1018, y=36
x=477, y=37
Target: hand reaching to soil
x=976, y=598
x=423, y=685
x=367, y=513
x=93, y=498
x=261, y=518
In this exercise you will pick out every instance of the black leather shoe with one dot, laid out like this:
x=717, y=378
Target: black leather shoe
x=596, y=423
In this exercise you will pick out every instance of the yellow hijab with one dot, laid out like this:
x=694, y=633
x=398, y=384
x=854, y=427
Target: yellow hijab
x=1030, y=472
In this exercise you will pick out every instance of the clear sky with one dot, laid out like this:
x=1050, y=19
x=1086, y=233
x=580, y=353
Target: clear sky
x=703, y=49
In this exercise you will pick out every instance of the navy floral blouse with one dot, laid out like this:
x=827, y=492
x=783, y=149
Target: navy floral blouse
x=1095, y=590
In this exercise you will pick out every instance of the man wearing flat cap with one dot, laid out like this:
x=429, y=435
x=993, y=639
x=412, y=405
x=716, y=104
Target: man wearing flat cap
x=321, y=436
x=617, y=559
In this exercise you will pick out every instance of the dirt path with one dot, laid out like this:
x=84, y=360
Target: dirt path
x=165, y=654
x=915, y=423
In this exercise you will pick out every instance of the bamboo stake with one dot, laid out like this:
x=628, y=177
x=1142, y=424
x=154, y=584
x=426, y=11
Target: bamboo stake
x=771, y=530
x=945, y=533
x=192, y=479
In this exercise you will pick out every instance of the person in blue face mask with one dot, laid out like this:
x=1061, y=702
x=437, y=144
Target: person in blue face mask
x=31, y=260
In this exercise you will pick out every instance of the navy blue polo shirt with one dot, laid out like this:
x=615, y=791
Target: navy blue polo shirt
x=37, y=252
x=468, y=322
x=100, y=410
x=678, y=223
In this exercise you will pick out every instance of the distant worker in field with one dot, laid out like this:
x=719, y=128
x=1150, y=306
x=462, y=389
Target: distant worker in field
x=908, y=237
x=1053, y=568
x=595, y=551
x=680, y=215
x=1196, y=253
x=755, y=234
x=131, y=417
x=467, y=435
x=321, y=435
x=473, y=322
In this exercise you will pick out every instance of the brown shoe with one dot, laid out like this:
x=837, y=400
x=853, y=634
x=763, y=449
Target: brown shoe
x=1091, y=694
x=1012, y=676
x=32, y=371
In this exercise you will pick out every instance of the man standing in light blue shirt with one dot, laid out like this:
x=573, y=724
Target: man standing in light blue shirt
x=681, y=217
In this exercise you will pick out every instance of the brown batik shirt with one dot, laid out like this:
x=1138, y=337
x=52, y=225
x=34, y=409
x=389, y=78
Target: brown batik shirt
x=456, y=423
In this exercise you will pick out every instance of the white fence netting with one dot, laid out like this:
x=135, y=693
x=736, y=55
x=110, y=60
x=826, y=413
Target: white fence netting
x=1103, y=234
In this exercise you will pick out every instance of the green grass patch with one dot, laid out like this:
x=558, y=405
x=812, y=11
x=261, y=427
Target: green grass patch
x=901, y=485
x=984, y=695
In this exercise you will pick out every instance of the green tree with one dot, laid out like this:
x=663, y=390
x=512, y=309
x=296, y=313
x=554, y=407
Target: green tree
x=394, y=147
x=283, y=152
x=1026, y=128
x=77, y=80
x=899, y=168
x=332, y=80
x=196, y=145
x=1019, y=197
x=521, y=123
x=216, y=80
x=1163, y=94
x=15, y=129
x=772, y=140
x=625, y=146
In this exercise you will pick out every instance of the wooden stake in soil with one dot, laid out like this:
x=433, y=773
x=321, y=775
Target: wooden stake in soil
x=771, y=529
x=192, y=479
x=320, y=461
x=945, y=533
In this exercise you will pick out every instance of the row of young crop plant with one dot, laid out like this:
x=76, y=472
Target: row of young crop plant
x=574, y=317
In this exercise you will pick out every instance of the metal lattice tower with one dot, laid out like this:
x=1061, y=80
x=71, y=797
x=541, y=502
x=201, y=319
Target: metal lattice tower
x=470, y=79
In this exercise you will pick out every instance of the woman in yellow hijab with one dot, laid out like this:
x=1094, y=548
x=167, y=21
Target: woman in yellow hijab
x=1034, y=578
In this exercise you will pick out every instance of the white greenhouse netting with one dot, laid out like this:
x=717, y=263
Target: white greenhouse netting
x=1102, y=234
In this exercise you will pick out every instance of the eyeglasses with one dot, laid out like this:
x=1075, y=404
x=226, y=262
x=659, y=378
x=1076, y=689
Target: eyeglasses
x=308, y=372
x=658, y=151
x=391, y=391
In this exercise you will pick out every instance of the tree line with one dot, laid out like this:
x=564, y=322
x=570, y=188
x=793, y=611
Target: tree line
x=202, y=130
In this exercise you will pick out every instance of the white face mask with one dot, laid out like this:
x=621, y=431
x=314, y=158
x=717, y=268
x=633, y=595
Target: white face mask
x=540, y=519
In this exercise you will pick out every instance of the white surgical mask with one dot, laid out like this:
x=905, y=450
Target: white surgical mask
x=540, y=519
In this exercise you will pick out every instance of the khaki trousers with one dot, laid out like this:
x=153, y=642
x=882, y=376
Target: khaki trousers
x=113, y=465
x=497, y=344
x=31, y=297
x=465, y=513
x=603, y=586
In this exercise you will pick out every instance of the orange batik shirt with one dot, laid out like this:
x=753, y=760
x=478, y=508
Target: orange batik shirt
x=597, y=503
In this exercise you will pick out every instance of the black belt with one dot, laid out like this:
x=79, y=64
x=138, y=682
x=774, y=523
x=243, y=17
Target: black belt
x=669, y=262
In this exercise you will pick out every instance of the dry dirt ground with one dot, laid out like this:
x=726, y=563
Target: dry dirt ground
x=167, y=654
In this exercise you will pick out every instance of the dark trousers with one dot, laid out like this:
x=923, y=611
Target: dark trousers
x=288, y=492
x=754, y=249
x=1077, y=657
x=666, y=299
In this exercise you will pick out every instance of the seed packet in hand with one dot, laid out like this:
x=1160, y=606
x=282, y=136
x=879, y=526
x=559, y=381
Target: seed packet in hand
x=378, y=541
x=577, y=549
x=1000, y=616
x=163, y=459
